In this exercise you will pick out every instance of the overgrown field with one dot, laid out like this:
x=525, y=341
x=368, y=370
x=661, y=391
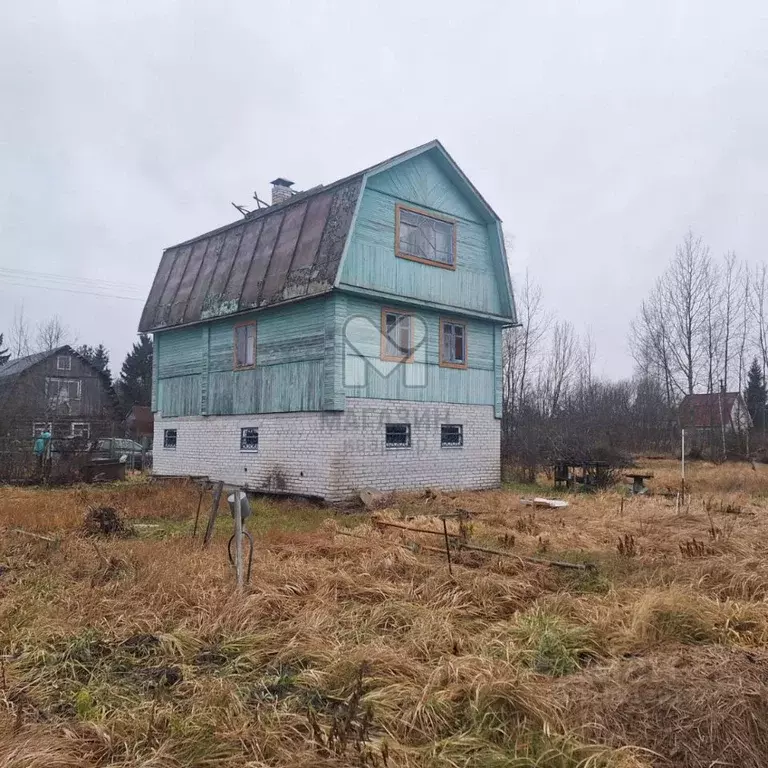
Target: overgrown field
x=353, y=645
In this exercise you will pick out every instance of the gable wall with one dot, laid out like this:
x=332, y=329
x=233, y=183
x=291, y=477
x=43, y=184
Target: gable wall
x=371, y=263
x=23, y=401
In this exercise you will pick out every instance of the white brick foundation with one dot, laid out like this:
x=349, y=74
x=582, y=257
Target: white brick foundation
x=334, y=454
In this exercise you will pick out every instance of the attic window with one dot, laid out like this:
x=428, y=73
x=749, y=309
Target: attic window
x=425, y=237
x=63, y=363
x=245, y=346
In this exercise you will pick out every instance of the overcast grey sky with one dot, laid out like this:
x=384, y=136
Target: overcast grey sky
x=600, y=131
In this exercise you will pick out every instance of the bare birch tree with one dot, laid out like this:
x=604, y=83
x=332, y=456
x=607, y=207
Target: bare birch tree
x=521, y=345
x=676, y=333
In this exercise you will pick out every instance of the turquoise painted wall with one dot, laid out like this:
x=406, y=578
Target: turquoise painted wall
x=303, y=360
x=194, y=365
x=366, y=375
x=371, y=264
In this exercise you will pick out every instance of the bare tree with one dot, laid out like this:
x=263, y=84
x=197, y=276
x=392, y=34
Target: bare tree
x=676, y=334
x=714, y=328
x=759, y=310
x=51, y=334
x=558, y=371
x=733, y=323
x=521, y=345
x=650, y=344
x=19, y=336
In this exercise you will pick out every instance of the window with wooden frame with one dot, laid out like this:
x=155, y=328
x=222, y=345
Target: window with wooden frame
x=396, y=336
x=397, y=435
x=451, y=435
x=62, y=390
x=425, y=237
x=80, y=429
x=453, y=344
x=249, y=439
x=245, y=346
x=63, y=363
x=169, y=438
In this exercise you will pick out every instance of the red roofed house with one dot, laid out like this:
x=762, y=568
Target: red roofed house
x=707, y=417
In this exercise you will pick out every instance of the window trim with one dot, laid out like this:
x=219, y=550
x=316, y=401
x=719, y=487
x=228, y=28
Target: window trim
x=398, y=446
x=68, y=358
x=448, y=363
x=460, y=444
x=383, y=342
x=85, y=424
x=430, y=215
x=175, y=439
x=46, y=425
x=249, y=450
x=60, y=380
x=235, y=366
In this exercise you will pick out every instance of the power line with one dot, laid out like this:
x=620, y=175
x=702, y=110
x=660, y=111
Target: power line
x=73, y=290
x=25, y=273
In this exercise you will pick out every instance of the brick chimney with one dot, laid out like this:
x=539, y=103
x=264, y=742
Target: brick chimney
x=281, y=190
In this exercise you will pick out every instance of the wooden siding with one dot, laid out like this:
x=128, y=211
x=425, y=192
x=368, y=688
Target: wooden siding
x=23, y=401
x=387, y=380
x=477, y=284
x=195, y=364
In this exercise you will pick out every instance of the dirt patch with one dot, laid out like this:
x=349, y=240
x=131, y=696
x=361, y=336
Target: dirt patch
x=692, y=707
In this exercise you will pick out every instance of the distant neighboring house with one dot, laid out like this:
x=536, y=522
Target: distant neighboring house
x=346, y=336
x=702, y=415
x=140, y=422
x=59, y=389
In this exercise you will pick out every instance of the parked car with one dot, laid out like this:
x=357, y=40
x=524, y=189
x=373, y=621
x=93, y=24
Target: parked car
x=115, y=447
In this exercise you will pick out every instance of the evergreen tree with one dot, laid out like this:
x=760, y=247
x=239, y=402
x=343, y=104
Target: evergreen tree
x=98, y=357
x=5, y=355
x=755, y=394
x=135, y=385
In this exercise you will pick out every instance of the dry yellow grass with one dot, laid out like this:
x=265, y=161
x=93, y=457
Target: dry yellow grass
x=362, y=650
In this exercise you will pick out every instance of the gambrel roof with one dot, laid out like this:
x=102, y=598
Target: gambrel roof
x=286, y=252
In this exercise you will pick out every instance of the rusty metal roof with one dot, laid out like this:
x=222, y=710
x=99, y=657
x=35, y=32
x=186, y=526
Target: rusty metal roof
x=282, y=253
x=707, y=410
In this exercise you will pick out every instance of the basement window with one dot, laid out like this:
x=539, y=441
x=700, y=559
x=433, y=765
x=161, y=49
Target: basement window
x=169, y=438
x=398, y=436
x=245, y=346
x=396, y=336
x=425, y=237
x=453, y=344
x=80, y=429
x=63, y=363
x=451, y=435
x=249, y=439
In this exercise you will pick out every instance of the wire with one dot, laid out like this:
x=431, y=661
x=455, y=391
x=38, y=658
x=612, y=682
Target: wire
x=25, y=274
x=73, y=290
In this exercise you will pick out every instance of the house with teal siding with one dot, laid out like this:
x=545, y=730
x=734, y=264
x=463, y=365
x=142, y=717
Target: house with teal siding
x=343, y=337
